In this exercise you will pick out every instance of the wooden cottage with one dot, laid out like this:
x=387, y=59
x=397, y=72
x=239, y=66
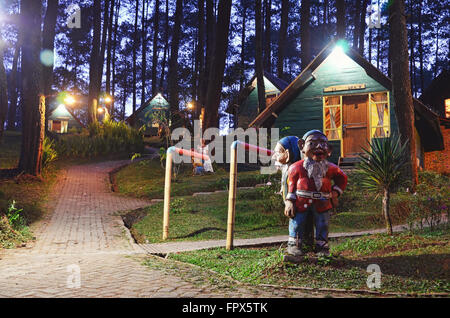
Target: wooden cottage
x=244, y=107
x=143, y=115
x=437, y=96
x=349, y=99
x=61, y=119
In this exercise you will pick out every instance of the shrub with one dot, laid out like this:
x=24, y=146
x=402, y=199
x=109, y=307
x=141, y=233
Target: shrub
x=15, y=219
x=430, y=202
x=49, y=154
x=109, y=138
x=382, y=168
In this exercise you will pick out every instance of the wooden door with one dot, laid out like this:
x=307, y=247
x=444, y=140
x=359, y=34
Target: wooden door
x=56, y=126
x=355, y=124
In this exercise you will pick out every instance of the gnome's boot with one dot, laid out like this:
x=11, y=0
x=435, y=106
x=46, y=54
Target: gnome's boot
x=322, y=248
x=293, y=248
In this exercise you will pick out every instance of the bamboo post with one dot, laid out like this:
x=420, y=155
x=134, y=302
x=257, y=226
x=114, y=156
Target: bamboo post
x=233, y=186
x=167, y=183
x=232, y=195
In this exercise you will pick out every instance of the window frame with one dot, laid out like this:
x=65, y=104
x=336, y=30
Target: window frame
x=339, y=129
x=370, y=115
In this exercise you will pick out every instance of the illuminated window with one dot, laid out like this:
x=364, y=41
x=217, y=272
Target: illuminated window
x=332, y=119
x=379, y=115
x=447, y=108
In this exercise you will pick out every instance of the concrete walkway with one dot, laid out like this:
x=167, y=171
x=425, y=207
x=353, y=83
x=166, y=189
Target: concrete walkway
x=84, y=250
x=175, y=247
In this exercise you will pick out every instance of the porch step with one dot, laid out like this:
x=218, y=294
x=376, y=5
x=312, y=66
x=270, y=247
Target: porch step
x=348, y=162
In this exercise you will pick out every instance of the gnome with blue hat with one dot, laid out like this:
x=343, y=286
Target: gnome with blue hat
x=286, y=153
x=313, y=186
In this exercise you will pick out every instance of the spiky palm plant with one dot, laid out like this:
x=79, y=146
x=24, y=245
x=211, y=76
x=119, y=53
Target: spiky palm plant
x=382, y=167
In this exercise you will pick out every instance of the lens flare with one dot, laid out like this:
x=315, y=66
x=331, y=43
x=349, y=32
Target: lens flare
x=47, y=57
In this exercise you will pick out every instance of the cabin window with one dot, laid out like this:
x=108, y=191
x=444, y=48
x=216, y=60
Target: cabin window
x=58, y=126
x=332, y=117
x=447, y=108
x=379, y=115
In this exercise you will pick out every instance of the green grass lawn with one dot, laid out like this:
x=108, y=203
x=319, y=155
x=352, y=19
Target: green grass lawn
x=410, y=263
x=259, y=213
x=145, y=179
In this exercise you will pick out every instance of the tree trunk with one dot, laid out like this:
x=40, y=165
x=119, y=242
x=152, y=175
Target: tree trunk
x=210, y=41
x=378, y=48
x=199, y=58
x=12, y=111
x=370, y=45
x=282, y=37
x=362, y=27
x=109, y=49
x=357, y=22
x=166, y=47
x=244, y=20
x=116, y=25
x=155, y=47
x=259, y=58
x=173, y=66
x=401, y=85
x=94, y=89
x=218, y=62
x=267, y=43
x=135, y=46
x=422, y=87
x=103, y=43
x=436, y=59
x=144, y=51
x=412, y=60
x=340, y=19
x=3, y=90
x=305, y=33
x=33, y=111
x=386, y=215
x=48, y=43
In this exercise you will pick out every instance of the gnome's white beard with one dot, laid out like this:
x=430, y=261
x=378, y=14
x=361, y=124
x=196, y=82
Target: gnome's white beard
x=316, y=170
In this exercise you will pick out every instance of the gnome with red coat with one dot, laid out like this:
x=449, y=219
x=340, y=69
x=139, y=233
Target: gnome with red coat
x=314, y=184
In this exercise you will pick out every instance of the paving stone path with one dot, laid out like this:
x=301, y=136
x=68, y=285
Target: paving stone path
x=83, y=250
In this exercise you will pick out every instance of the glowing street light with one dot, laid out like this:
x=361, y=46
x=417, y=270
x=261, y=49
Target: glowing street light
x=190, y=105
x=108, y=99
x=69, y=100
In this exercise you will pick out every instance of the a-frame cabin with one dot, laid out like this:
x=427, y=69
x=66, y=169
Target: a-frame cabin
x=348, y=98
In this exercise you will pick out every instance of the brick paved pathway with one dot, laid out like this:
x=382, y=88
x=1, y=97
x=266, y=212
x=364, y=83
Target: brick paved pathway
x=83, y=234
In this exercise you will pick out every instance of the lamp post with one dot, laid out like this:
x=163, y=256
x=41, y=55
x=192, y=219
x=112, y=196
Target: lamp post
x=105, y=99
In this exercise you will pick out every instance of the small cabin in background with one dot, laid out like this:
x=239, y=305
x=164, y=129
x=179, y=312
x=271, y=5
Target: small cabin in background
x=437, y=96
x=61, y=119
x=244, y=107
x=143, y=115
x=350, y=100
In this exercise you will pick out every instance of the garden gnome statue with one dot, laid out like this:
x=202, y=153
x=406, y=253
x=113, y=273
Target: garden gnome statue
x=286, y=153
x=311, y=191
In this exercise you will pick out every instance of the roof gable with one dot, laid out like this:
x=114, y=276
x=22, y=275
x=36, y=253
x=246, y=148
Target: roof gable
x=271, y=84
x=437, y=92
x=62, y=112
x=157, y=102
